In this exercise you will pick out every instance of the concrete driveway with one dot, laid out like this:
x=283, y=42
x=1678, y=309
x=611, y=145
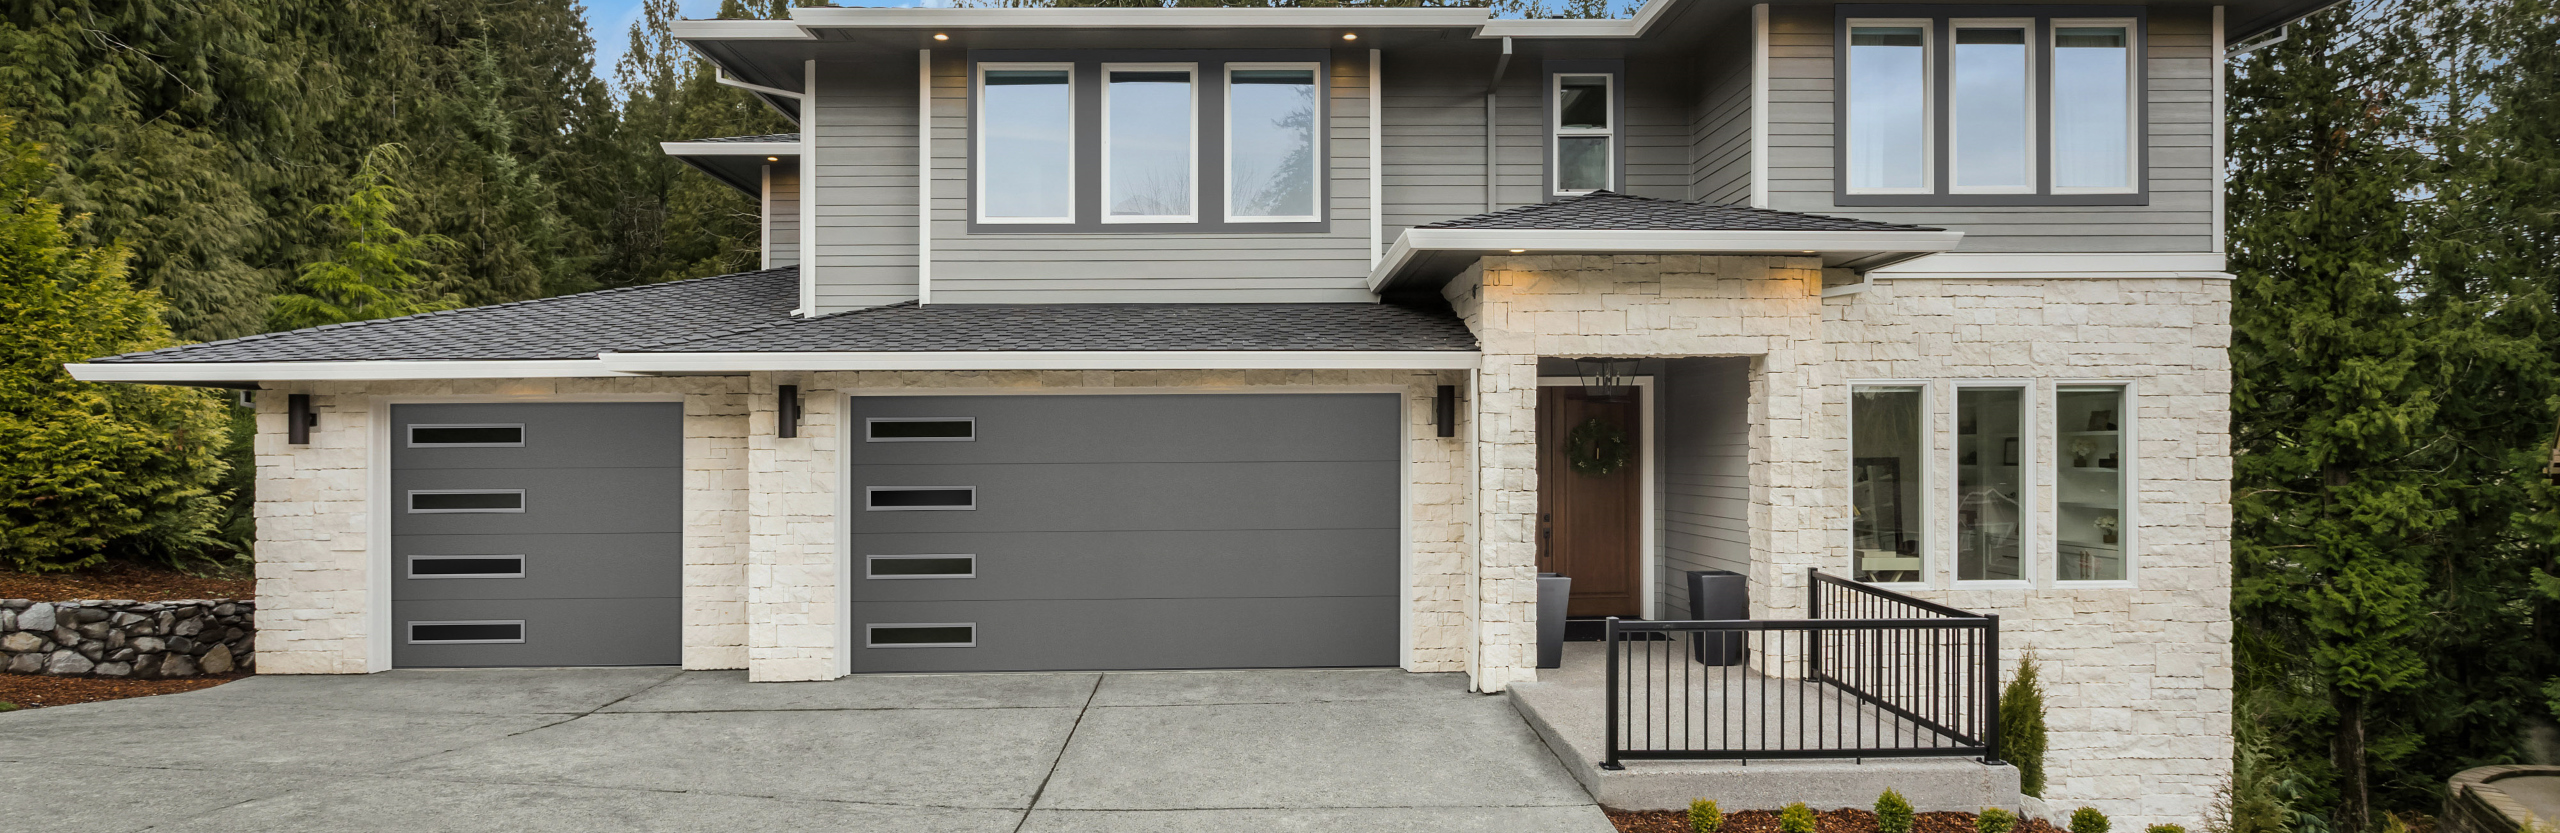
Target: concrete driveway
x=644, y=749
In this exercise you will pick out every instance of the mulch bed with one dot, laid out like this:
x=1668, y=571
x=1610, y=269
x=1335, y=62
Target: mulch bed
x=137, y=582
x=1829, y=821
x=34, y=690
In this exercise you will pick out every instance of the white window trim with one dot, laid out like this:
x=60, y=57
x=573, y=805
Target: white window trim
x=1191, y=121
x=1556, y=132
x=411, y=434
x=867, y=436
x=1955, y=144
x=978, y=149
x=2029, y=542
x=414, y=559
x=1928, y=474
x=2133, y=79
x=1227, y=154
x=409, y=632
x=409, y=502
x=870, y=562
x=1928, y=101
x=869, y=506
x=869, y=641
x=2129, y=474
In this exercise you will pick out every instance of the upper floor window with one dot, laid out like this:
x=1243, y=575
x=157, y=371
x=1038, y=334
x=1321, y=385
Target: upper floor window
x=1147, y=141
x=1585, y=125
x=1976, y=110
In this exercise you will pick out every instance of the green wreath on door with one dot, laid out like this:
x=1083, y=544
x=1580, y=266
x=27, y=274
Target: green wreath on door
x=1596, y=448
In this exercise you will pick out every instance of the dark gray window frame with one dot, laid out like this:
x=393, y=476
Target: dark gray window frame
x=1210, y=161
x=1617, y=72
x=2040, y=36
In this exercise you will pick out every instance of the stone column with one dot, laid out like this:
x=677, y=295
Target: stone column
x=794, y=618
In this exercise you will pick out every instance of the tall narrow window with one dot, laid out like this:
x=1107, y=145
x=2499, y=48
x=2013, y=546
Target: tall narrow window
x=1585, y=129
x=1026, y=145
x=1991, y=497
x=2092, y=108
x=1147, y=143
x=1886, y=497
x=2090, y=533
x=1993, y=131
x=1271, y=142
x=1888, y=148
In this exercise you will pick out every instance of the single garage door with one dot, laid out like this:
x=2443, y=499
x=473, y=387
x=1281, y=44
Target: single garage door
x=1134, y=531
x=537, y=534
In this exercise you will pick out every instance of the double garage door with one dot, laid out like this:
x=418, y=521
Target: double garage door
x=988, y=532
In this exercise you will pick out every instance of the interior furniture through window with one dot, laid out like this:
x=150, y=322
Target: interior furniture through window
x=1991, y=497
x=1887, y=473
x=2091, y=537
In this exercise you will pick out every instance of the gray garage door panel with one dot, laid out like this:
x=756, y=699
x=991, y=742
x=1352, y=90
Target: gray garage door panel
x=1138, y=564
x=557, y=632
x=1078, y=634
x=557, y=435
x=1103, y=496
x=555, y=501
x=1140, y=428
x=586, y=566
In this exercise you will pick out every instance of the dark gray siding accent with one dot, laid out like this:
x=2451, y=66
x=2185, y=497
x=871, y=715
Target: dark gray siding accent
x=1030, y=267
x=1720, y=117
x=781, y=216
x=1705, y=495
x=2179, y=63
x=1433, y=142
x=865, y=127
x=601, y=535
x=1143, y=531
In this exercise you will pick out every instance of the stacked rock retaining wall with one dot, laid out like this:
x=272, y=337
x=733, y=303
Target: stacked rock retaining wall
x=126, y=639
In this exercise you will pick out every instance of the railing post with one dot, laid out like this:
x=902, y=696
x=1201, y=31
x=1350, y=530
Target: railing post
x=1610, y=629
x=1813, y=610
x=1991, y=688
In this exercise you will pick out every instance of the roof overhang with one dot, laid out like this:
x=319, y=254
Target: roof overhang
x=250, y=374
x=1425, y=258
x=740, y=164
x=715, y=363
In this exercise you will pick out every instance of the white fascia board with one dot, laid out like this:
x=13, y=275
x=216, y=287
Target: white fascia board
x=1045, y=360
x=729, y=148
x=1654, y=241
x=812, y=17
x=1632, y=27
x=336, y=371
x=2014, y=265
x=691, y=30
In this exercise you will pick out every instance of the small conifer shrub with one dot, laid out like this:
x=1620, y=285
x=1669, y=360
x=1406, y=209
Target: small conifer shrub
x=2164, y=828
x=1994, y=820
x=1893, y=813
x=1797, y=818
x=2088, y=820
x=1705, y=818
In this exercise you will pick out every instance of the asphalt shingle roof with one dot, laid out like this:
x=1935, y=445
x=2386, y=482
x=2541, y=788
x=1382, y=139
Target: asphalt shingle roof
x=908, y=327
x=760, y=137
x=565, y=327
x=1609, y=211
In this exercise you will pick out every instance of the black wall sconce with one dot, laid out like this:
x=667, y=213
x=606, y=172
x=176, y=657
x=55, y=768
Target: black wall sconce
x=1444, y=409
x=786, y=412
x=299, y=419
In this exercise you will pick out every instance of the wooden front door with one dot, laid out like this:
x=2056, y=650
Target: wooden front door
x=1587, y=523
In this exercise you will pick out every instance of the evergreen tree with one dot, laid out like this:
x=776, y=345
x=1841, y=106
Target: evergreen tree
x=671, y=222
x=377, y=270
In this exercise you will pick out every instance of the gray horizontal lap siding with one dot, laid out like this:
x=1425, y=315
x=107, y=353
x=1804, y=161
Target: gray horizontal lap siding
x=781, y=216
x=1720, y=119
x=2179, y=60
x=865, y=128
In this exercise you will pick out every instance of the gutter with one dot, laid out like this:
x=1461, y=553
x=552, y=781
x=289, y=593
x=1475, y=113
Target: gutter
x=730, y=363
x=247, y=374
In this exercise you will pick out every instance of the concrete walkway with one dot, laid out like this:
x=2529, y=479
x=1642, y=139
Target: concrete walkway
x=644, y=749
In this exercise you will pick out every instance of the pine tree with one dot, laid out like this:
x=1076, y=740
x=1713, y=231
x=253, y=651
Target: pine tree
x=378, y=268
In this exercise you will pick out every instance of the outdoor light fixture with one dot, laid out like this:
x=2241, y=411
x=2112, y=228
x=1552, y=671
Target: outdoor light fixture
x=941, y=36
x=773, y=159
x=1606, y=380
x=299, y=419
x=786, y=412
x=1518, y=251
x=1350, y=36
x=1444, y=409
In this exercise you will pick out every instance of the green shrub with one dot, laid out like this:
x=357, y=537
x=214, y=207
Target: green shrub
x=1705, y=818
x=2164, y=828
x=1797, y=818
x=2022, y=727
x=1994, y=820
x=2088, y=820
x=1893, y=813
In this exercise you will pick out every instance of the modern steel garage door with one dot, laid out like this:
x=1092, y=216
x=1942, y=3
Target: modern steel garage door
x=1131, y=531
x=537, y=534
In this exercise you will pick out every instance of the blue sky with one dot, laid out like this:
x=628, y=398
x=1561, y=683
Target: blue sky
x=609, y=21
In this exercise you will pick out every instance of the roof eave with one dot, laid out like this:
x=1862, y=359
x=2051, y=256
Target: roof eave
x=254, y=374
x=1401, y=268
x=740, y=362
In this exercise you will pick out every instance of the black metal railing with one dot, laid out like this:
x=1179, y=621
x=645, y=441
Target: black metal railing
x=1873, y=673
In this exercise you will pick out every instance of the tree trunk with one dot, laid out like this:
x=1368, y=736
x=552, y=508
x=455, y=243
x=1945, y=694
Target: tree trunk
x=2347, y=752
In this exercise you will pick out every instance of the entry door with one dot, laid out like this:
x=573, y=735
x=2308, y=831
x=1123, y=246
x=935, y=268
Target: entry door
x=1588, y=523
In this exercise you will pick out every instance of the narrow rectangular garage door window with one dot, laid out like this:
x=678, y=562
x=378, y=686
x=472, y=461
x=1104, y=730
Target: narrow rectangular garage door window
x=921, y=429
x=481, y=632
x=481, y=435
x=447, y=501
x=935, y=635
x=466, y=566
x=923, y=566
x=919, y=498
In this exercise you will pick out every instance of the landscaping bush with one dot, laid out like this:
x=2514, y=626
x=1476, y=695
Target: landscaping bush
x=2022, y=727
x=2088, y=820
x=1705, y=818
x=1994, y=820
x=2164, y=828
x=1893, y=813
x=1797, y=818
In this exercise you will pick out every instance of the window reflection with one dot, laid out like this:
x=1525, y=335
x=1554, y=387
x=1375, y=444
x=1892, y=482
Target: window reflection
x=1148, y=144
x=2092, y=107
x=1990, y=89
x=1271, y=143
x=2089, y=533
x=1990, y=500
x=1028, y=155
x=1888, y=99
x=1886, y=502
